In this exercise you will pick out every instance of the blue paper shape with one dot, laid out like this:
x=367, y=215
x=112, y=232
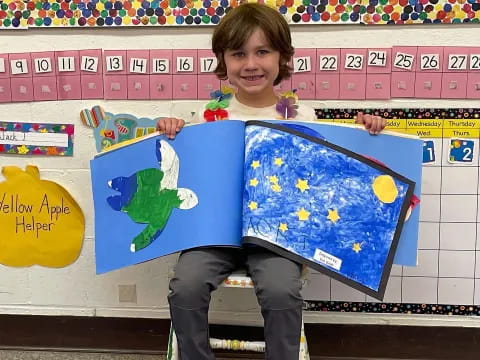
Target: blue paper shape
x=211, y=164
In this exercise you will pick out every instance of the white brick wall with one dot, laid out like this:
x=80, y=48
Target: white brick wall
x=76, y=290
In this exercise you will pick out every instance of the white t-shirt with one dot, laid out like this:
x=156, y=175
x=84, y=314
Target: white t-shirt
x=238, y=111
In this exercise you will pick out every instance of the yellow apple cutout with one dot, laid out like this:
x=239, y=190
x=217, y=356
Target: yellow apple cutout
x=40, y=222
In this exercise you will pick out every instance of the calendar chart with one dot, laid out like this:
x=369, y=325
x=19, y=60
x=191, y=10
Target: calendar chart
x=446, y=279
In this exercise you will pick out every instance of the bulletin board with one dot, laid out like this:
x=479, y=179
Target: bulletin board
x=447, y=278
x=16, y=14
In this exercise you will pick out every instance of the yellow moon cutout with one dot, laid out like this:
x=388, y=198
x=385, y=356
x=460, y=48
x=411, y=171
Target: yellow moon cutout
x=385, y=189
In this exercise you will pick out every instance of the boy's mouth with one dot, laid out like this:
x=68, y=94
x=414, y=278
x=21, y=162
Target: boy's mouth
x=253, y=77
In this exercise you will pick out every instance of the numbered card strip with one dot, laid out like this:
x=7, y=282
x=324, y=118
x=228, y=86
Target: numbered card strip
x=18, y=138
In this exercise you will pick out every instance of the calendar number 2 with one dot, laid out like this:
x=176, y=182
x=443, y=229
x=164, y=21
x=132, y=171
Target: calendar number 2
x=461, y=151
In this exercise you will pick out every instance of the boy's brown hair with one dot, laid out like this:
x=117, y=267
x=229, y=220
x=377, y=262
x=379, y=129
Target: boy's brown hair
x=237, y=26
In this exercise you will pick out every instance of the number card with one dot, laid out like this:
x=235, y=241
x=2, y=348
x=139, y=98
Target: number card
x=428, y=151
x=461, y=151
x=328, y=62
x=2, y=65
x=66, y=63
x=474, y=61
x=19, y=66
x=430, y=62
x=114, y=63
x=302, y=64
x=138, y=65
x=377, y=58
x=160, y=66
x=353, y=61
x=89, y=64
x=457, y=61
x=184, y=64
x=208, y=64
x=42, y=65
x=403, y=61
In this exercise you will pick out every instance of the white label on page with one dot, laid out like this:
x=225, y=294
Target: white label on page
x=327, y=259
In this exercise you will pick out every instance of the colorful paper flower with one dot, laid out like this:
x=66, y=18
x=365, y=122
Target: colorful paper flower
x=215, y=104
x=214, y=115
x=287, y=108
x=224, y=93
x=215, y=109
x=287, y=105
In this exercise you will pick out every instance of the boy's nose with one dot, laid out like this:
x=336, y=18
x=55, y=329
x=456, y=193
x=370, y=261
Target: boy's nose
x=251, y=62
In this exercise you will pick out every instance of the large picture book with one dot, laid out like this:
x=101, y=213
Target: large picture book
x=332, y=197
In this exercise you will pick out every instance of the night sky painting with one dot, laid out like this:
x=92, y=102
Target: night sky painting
x=338, y=211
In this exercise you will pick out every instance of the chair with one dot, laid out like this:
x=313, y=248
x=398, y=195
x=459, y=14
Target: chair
x=237, y=279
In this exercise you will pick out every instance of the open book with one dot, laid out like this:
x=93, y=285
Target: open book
x=332, y=197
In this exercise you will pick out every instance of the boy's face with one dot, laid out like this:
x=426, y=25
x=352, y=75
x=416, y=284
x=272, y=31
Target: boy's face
x=254, y=67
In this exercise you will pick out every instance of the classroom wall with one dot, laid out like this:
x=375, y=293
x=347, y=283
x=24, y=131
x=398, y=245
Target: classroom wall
x=76, y=290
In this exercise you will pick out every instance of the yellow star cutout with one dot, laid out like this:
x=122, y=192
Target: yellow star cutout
x=278, y=161
x=253, y=205
x=253, y=182
x=357, y=247
x=22, y=149
x=43, y=130
x=302, y=185
x=303, y=214
x=333, y=215
x=276, y=188
x=255, y=164
x=283, y=227
x=273, y=179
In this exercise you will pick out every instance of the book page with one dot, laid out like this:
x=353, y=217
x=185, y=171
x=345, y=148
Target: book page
x=157, y=196
x=322, y=205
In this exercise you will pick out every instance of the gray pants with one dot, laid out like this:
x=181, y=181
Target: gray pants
x=277, y=286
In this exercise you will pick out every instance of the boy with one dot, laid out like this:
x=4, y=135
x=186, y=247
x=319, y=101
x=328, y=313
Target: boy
x=253, y=46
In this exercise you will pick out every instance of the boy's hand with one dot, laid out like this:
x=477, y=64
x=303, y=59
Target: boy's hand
x=374, y=124
x=170, y=126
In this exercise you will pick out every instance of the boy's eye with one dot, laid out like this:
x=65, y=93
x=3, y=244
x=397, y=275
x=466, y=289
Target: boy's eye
x=263, y=52
x=238, y=54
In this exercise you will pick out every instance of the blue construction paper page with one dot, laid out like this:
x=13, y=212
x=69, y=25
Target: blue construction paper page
x=401, y=154
x=328, y=207
x=210, y=158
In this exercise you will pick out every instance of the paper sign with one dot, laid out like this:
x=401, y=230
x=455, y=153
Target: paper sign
x=36, y=139
x=41, y=223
